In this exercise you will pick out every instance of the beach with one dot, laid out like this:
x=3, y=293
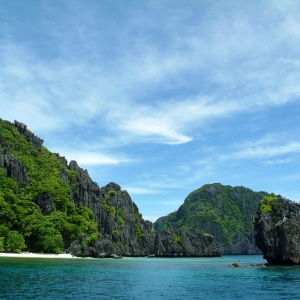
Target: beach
x=35, y=255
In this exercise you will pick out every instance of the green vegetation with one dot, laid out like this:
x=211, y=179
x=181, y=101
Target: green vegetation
x=137, y=218
x=116, y=234
x=266, y=203
x=111, y=193
x=221, y=211
x=22, y=224
x=121, y=217
x=177, y=240
x=109, y=208
x=269, y=205
x=138, y=232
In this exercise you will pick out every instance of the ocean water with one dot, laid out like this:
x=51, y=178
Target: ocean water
x=146, y=278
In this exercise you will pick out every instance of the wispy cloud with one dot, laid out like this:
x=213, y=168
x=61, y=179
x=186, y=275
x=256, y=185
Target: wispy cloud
x=140, y=190
x=263, y=152
x=66, y=91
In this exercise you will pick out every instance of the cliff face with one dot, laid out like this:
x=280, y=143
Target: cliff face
x=122, y=228
x=277, y=230
x=224, y=212
x=14, y=168
x=48, y=205
x=177, y=243
x=124, y=231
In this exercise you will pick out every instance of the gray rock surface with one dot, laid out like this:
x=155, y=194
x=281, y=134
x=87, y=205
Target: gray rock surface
x=45, y=202
x=177, y=242
x=122, y=228
x=119, y=221
x=277, y=232
x=14, y=168
x=29, y=136
x=123, y=231
x=230, y=204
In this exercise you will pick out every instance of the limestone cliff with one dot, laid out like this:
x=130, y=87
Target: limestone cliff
x=277, y=230
x=48, y=205
x=177, y=243
x=14, y=168
x=224, y=212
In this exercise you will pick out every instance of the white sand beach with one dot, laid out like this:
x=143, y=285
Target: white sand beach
x=36, y=255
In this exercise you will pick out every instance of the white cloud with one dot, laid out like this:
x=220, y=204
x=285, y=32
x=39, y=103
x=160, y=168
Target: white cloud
x=80, y=85
x=264, y=151
x=278, y=161
x=140, y=190
x=86, y=158
x=98, y=159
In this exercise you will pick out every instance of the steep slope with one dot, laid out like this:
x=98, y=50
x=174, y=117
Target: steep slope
x=48, y=205
x=222, y=211
x=277, y=230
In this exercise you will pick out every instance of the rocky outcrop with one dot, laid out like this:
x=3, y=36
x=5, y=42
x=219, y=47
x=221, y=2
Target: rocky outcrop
x=45, y=202
x=14, y=168
x=177, y=243
x=28, y=135
x=277, y=230
x=224, y=212
x=241, y=246
x=122, y=228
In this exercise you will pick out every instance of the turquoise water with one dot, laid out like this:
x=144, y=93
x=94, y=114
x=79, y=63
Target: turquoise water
x=146, y=278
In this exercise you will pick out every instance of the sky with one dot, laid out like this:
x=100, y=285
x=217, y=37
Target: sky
x=159, y=96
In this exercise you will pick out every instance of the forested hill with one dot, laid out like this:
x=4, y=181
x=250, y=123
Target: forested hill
x=44, y=200
x=225, y=212
x=48, y=205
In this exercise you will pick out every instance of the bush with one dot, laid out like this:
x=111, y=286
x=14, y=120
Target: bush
x=19, y=213
x=177, y=240
x=266, y=203
x=14, y=242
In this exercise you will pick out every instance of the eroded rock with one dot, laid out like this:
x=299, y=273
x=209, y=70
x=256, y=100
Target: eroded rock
x=277, y=231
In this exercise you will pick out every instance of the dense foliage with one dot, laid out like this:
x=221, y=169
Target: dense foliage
x=22, y=224
x=222, y=211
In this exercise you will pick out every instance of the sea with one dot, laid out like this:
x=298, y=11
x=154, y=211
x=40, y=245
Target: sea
x=146, y=278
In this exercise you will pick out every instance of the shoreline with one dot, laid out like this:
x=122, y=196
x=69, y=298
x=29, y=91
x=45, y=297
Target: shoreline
x=36, y=255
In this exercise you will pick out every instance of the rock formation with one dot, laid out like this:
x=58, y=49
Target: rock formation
x=29, y=136
x=45, y=202
x=224, y=212
x=58, y=194
x=14, y=168
x=124, y=231
x=277, y=230
x=177, y=242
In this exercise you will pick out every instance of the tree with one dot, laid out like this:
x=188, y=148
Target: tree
x=14, y=242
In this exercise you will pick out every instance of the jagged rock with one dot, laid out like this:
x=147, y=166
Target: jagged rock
x=256, y=266
x=14, y=168
x=117, y=215
x=122, y=229
x=277, y=232
x=227, y=204
x=65, y=176
x=29, y=136
x=177, y=242
x=243, y=247
x=62, y=159
x=122, y=226
x=234, y=265
x=101, y=248
x=45, y=202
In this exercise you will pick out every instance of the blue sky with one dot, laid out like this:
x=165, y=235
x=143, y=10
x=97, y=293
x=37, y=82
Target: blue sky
x=160, y=97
